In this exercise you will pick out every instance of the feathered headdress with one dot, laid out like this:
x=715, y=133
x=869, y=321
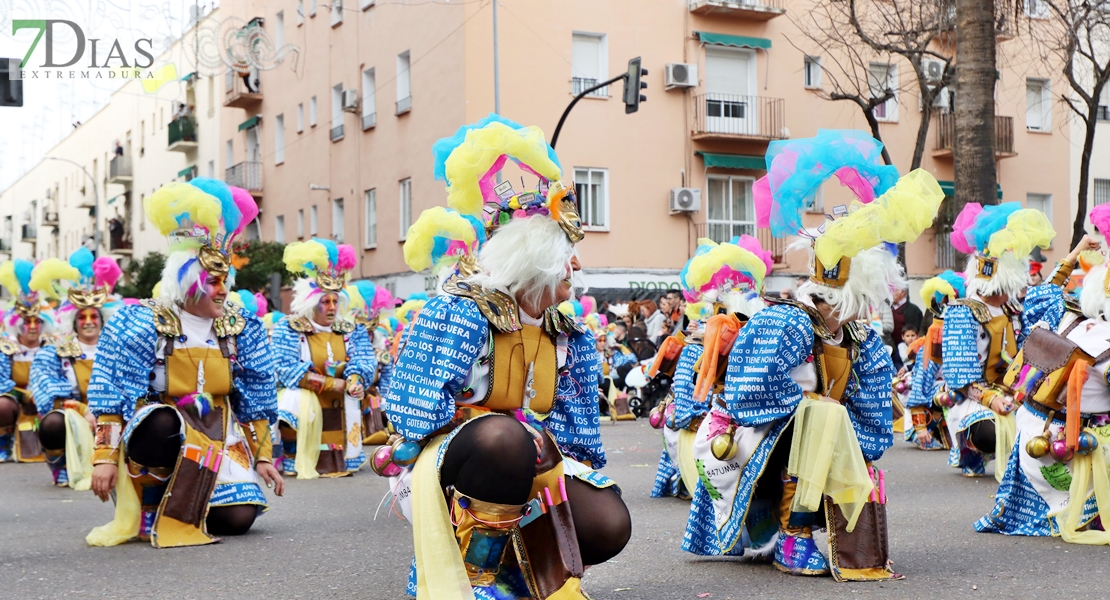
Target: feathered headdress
x=939, y=290
x=990, y=231
x=365, y=302
x=330, y=264
x=410, y=308
x=15, y=276
x=739, y=263
x=441, y=237
x=84, y=282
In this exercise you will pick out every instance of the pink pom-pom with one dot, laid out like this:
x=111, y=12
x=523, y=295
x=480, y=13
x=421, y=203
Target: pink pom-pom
x=382, y=299
x=1100, y=218
x=106, y=272
x=247, y=207
x=589, y=305
x=964, y=221
x=751, y=244
x=263, y=303
x=347, y=258
x=603, y=320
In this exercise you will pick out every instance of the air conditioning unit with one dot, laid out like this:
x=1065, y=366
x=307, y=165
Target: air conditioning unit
x=350, y=100
x=934, y=71
x=685, y=200
x=681, y=75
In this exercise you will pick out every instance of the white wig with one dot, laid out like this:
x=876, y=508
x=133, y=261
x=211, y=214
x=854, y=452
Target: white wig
x=307, y=295
x=1011, y=277
x=13, y=322
x=745, y=302
x=872, y=277
x=526, y=259
x=1093, y=300
x=183, y=273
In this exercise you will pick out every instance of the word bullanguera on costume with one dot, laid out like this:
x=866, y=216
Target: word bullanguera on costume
x=93, y=49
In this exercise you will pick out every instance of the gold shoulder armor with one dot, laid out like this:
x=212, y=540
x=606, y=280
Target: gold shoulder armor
x=342, y=326
x=70, y=349
x=556, y=322
x=978, y=310
x=300, y=324
x=8, y=347
x=231, y=323
x=165, y=322
x=497, y=307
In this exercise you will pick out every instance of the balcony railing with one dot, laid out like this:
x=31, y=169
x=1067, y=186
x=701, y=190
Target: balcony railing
x=404, y=105
x=946, y=136
x=6, y=244
x=49, y=218
x=119, y=170
x=182, y=134
x=732, y=116
x=28, y=233
x=723, y=232
x=337, y=133
x=238, y=94
x=120, y=244
x=581, y=84
x=246, y=175
x=760, y=10
x=369, y=121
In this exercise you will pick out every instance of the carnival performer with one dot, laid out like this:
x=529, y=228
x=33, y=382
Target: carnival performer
x=183, y=386
x=494, y=395
x=28, y=323
x=720, y=279
x=367, y=301
x=61, y=370
x=807, y=403
x=324, y=362
x=1057, y=482
x=925, y=424
x=983, y=331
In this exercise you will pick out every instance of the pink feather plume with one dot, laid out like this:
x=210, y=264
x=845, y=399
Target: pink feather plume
x=964, y=221
x=751, y=244
x=347, y=258
x=263, y=303
x=589, y=305
x=247, y=206
x=106, y=272
x=382, y=299
x=1100, y=218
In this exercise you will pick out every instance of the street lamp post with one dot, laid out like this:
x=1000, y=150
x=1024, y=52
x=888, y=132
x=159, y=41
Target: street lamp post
x=96, y=199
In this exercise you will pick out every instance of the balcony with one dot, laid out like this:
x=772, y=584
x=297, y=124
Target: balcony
x=28, y=233
x=946, y=136
x=336, y=133
x=581, y=84
x=246, y=175
x=404, y=105
x=120, y=245
x=183, y=134
x=6, y=244
x=50, y=218
x=758, y=10
x=369, y=121
x=236, y=92
x=731, y=117
x=119, y=170
x=723, y=232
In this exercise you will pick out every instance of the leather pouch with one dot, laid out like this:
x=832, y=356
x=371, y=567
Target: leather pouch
x=212, y=425
x=552, y=548
x=863, y=553
x=187, y=495
x=331, y=461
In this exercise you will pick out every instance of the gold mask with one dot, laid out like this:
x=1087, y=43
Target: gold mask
x=27, y=310
x=213, y=261
x=329, y=283
x=836, y=277
x=91, y=299
x=564, y=200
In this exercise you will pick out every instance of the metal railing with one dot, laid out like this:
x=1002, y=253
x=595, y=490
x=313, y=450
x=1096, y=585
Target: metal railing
x=120, y=166
x=116, y=244
x=740, y=116
x=236, y=91
x=337, y=133
x=28, y=232
x=49, y=217
x=369, y=121
x=404, y=105
x=581, y=84
x=1003, y=133
x=183, y=129
x=246, y=175
x=723, y=232
x=762, y=5
x=5, y=244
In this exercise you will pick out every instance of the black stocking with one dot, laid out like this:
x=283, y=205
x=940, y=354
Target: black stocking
x=601, y=520
x=981, y=436
x=492, y=459
x=52, y=431
x=231, y=520
x=156, y=441
x=9, y=412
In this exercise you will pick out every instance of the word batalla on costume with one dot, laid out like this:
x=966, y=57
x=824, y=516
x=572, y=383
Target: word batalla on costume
x=494, y=393
x=806, y=376
x=183, y=386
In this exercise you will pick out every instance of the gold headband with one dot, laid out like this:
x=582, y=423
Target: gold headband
x=91, y=299
x=213, y=261
x=330, y=284
x=836, y=277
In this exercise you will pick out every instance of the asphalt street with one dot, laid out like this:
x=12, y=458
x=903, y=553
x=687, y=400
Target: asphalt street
x=322, y=540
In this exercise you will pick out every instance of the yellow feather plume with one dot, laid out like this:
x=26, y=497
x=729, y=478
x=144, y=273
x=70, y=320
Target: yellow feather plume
x=8, y=278
x=695, y=310
x=935, y=286
x=174, y=200
x=701, y=269
x=482, y=147
x=49, y=273
x=157, y=290
x=305, y=257
x=1025, y=229
x=434, y=222
x=405, y=312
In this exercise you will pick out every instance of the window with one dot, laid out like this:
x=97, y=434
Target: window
x=312, y=8
x=369, y=115
x=1041, y=203
x=731, y=211
x=279, y=139
x=254, y=231
x=1038, y=105
x=227, y=154
x=279, y=30
x=1102, y=191
x=406, y=206
x=300, y=223
x=300, y=117
x=811, y=72
x=365, y=4
x=372, y=218
x=589, y=63
x=337, y=220
x=404, y=89
x=312, y=112
x=211, y=169
x=336, y=12
x=592, y=188
x=883, y=77
x=279, y=229
x=1104, y=104
x=1037, y=9
x=337, y=112
x=312, y=220
x=300, y=12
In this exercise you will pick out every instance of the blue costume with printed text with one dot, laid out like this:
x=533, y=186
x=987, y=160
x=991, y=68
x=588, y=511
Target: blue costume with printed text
x=685, y=410
x=6, y=385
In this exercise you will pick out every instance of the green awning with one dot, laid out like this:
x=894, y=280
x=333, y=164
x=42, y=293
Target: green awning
x=949, y=188
x=733, y=161
x=251, y=122
x=186, y=171
x=736, y=41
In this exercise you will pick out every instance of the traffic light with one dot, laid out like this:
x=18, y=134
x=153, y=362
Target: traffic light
x=11, y=89
x=633, y=85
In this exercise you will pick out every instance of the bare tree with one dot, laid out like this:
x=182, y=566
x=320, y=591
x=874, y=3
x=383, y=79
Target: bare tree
x=1074, y=35
x=975, y=175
